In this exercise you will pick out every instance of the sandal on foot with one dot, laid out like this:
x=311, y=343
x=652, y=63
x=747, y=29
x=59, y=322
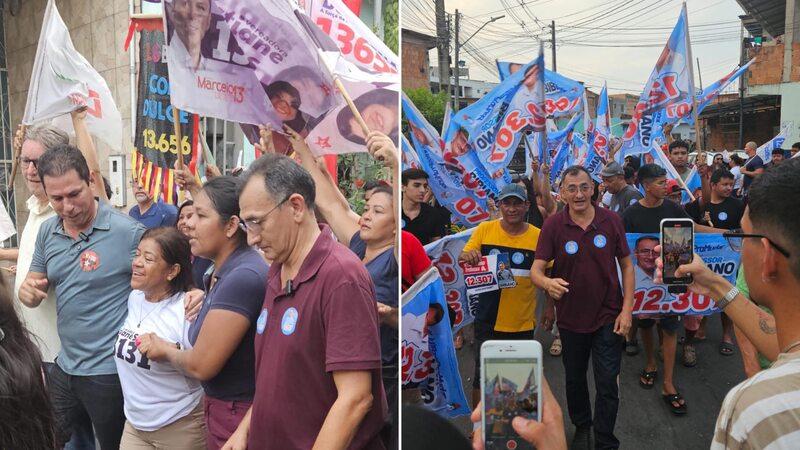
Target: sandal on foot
x=689, y=356
x=726, y=348
x=632, y=348
x=647, y=379
x=671, y=400
x=555, y=347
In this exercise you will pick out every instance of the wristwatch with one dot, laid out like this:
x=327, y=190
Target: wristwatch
x=723, y=302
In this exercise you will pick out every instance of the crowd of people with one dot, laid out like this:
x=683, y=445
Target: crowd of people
x=260, y=313
x=580, y=223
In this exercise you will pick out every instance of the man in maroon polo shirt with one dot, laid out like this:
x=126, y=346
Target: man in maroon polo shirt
x=318, y=356
x=594, y=311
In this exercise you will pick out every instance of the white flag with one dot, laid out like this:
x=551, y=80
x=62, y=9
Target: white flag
x=63, y=80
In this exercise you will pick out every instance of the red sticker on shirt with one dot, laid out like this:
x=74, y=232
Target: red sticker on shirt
x=89, y=261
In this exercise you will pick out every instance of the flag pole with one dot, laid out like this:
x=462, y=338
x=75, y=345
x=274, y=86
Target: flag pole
x=176, y=122
x=701, y=156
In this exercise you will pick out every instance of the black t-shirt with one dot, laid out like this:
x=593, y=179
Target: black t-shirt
x=726, y=214
x=638, y=219
x=535, y=216
x=427, y=225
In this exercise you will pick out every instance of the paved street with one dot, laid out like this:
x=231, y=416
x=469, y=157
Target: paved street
x=644, y=420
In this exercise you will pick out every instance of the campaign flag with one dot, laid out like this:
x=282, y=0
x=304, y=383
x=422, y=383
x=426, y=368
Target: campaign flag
x=601, y=135
x=561, y=149
x=563, y=96
x=657, y=156
x=428, y=357
x=409, y=159
x=651, y=298
x=63, y=81
x=444, y=255
x=356, y=41
x=495, y=123
x=156, y=147
x=453, y=185
x=765, y=151
x=669, y=83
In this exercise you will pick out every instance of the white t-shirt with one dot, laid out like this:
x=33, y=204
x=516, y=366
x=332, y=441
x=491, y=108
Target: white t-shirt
x=156, y=393
x=737, y=177
x=41, y=321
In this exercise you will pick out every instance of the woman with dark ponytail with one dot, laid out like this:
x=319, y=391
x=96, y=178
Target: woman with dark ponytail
x=26, y=417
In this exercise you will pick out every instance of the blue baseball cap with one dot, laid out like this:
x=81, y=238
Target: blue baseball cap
x=513, y=190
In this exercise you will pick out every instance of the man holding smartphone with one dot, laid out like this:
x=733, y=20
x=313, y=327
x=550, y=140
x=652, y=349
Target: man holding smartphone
x=594, y=311
x=504, y=314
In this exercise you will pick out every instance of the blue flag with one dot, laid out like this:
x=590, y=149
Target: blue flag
x=410, y=158
x=601, y=135
x=563, y=96
x=428, y=357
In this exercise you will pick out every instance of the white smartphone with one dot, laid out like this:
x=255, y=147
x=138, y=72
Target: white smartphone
x=511, y=385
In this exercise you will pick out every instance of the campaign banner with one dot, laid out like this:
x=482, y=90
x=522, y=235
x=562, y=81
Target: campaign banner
x=429, y=360
x=156, y=147
x=670, y=83
x=62, y=81
x=463, y=192
x=651, y=298
x=563, y=96
x=444, y=255
x=494, y=124
x=356, y=41
x=765, y=151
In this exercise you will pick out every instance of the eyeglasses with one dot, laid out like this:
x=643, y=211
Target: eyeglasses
x=254, y=225
x=646, y=252
x=27, y=162
x=735, y=239
x=584, y=188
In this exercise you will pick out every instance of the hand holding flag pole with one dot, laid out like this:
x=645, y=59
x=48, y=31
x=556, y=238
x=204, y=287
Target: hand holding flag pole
x=176, y=122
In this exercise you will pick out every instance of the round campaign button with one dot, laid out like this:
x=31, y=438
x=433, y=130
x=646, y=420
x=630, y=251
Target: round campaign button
x=571, y=247
x=289, y=321
x=261, y=324
x=402, y=223
x=494, y=251
x=600, y=241
x=723, y=215
x=511, y=444
x=517, y=258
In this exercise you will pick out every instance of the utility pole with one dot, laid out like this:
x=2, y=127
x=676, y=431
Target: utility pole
x=443, y=47
x=456, y=71
x=460, y=44
x=741, y=89
x=553, y=42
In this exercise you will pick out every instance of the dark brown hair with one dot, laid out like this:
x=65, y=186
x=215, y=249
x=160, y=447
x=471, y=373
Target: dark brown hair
x=175, y=249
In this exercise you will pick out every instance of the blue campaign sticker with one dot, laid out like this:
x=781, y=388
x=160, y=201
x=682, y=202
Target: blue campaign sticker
x=518, y=258
x=600, y=241
x=723, y=216
x=261, y=324
x=402, y=223
x=494, y=251
x=571, y=247
x=289, y=321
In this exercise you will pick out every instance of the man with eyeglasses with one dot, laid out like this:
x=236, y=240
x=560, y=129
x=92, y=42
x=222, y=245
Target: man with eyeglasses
x=585, y=243
x=508, y=313
x=762, y=412
x=149, y=211
x=317, y=345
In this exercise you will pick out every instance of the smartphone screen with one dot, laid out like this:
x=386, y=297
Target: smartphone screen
x=511, y=388
x=677, y=243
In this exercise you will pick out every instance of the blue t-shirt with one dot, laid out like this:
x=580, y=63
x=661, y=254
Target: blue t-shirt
x=383, y=271
x=92, y=280
x=158, y=215
x=240, y=287
x=752, y=164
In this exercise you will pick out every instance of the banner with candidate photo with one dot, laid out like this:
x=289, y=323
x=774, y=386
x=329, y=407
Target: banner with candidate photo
x=156, y=147
x=651, y=298
x=444, y=255
x=563, y=96
x=429, y=360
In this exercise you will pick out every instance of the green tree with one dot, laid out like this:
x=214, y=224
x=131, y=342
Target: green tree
x=431, y=106
x=390, y=24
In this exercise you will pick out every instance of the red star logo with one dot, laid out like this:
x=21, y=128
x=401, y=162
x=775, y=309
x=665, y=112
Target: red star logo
x=326, y=89
x=323, y=142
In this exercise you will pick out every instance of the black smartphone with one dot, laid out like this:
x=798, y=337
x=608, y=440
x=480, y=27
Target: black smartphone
x=677, y=248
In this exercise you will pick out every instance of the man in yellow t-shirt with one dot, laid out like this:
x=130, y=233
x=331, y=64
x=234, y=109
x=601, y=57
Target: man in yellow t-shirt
x=504, y=313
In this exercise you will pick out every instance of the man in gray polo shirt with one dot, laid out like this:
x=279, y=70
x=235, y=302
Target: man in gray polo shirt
x=86, y=253
x=622, y=194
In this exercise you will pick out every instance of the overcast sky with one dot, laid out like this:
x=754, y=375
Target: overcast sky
x=613, y=40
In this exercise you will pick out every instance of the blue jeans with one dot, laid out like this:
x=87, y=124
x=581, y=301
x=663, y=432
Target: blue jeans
x=96, y=397
x=605, y=348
